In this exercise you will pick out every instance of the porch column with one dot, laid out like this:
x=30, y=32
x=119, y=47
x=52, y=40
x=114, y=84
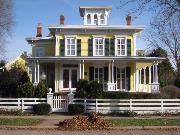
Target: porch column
x=137, y=80
x=156, y=73
x=140, y=76
x=153, y=73
x=150, y=75
x=135, y=77
x=109, y=72
x=57, y=46
x=83, y=70
x=112, y=71
x=37, y=71
x=80, y=69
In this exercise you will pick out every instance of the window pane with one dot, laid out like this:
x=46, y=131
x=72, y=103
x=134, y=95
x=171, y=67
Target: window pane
x=100, y=46
x=122, y=41
x=122, y=52
x=68, y=46
x=73, y=47
x=100, y=52
x=72, y=41
x=72, y=52
x=68, y=41
x=122, y=46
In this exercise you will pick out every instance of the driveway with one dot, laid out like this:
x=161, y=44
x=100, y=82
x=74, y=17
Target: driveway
x=115, y=132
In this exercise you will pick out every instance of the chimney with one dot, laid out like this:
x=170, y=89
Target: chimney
x=129, y=20
x=62, y=20
x=39, y=30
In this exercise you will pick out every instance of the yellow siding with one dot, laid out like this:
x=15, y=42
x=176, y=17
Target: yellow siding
x=132, y=45
x=84, y=44
x=131, y=76
x=49, y=50
x=86, y=69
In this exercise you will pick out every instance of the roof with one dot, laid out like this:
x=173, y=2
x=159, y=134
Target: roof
x=82, y=8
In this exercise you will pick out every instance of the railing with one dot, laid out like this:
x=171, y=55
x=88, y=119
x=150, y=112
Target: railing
x=135, y=105
x=60, y=103
x=112, y=86
x=151, y=88
x=23, y=104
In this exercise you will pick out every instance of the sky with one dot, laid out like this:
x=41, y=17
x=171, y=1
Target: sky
x=27, y=13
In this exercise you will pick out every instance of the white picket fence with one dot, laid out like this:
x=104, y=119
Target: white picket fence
x=60, y=103
x=23, y=104
x=135, y=105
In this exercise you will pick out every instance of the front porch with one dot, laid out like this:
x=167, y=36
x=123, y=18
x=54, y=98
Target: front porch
x=115, y=75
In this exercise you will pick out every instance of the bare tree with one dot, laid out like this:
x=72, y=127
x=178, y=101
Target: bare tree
x=6, y=21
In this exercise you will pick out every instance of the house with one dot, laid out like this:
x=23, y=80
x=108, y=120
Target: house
x=93, y=51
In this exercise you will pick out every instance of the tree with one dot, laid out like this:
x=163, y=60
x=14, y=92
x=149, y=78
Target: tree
x=165, y=70
x=6, y=21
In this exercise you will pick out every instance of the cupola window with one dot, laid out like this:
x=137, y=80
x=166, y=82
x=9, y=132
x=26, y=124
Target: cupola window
x=88, y=19
x=102, y=19
x=95, y=19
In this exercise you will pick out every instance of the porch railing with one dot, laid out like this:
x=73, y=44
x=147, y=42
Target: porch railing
x=152, y=88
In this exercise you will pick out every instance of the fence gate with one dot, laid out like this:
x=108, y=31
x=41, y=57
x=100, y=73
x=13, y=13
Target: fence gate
x=60, y=103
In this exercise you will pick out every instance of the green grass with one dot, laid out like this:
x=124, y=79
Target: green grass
x=145, y=122
x=19, y=121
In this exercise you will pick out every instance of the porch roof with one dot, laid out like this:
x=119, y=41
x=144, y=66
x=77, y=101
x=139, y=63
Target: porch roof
x=99, y=58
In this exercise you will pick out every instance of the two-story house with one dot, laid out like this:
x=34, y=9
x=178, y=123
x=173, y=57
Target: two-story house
x=93, y=51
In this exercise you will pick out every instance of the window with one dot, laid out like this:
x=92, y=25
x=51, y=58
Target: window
x=99, y=75
x=70, y=46
x=39, y=51
x=88, y=19
x=95, y=19
x=121, y=46
x=121, y=78
x=102, y=19
x=99, y=46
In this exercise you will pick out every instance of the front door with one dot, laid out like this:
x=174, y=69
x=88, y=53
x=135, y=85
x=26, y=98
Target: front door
x=70, y=78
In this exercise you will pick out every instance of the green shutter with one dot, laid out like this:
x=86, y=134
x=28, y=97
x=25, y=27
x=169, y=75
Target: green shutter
x=107, y=44
x=62, y=47
x=128, y=47
x=90, y=47
x=112, y=48
x=105, y=74
x=128, y=73
x=91, y=73
x=78, y=47
x=114, y=74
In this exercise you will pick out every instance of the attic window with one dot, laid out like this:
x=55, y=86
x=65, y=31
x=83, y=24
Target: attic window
x=102, y=19
x=88, y=19
x=95, y=19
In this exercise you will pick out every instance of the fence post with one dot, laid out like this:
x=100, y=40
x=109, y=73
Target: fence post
x=85, y=105
x=162, y=106
x=19, y=103
x=22, y=104
x=70, y=98
x=130, y=102
x=96, y=105
x=50, y=98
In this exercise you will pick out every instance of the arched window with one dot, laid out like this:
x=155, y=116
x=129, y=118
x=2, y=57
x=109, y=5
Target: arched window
x=102, y=19
x=88, y=19
x=95, y=19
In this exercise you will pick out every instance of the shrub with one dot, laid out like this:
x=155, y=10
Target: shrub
x=177, y=83
x=75, y=109
x=40, y=90
x=87, y=89
x=26, y=90
x=170, y=91
x=42, y=109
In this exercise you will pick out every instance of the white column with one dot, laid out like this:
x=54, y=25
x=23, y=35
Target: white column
x=156, y=73
x=109, y=73
x=140, y=76
x=37, y=71
x=57, y=46
x=150, y=75
x=137, y=80
x=153, y=74
x=83, y=70
x=135, y=77
x=112, y=71
x=98, y=16
x=134, y=36
x=80, y=70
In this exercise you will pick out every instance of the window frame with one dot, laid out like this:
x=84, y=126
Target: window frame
x=94, y=46
x=125, y=78
x=66, y=44
x=116, y=46
x=90, y=19
x=37, y=51
x=98, y=73
x=102, y=19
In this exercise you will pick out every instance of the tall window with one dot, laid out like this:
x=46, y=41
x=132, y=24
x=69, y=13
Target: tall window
x=99, y=75
x=102, y=19
x=121, y=78
x=121, y=46
x=70, y=46
x=39, y=51
x=95, y=19
x=88, y=19
x=98, y=46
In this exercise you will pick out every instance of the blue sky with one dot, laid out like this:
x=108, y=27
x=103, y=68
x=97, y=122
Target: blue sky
x=27, y=13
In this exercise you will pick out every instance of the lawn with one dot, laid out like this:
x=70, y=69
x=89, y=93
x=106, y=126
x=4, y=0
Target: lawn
x=145, y=122
x=19, y=121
